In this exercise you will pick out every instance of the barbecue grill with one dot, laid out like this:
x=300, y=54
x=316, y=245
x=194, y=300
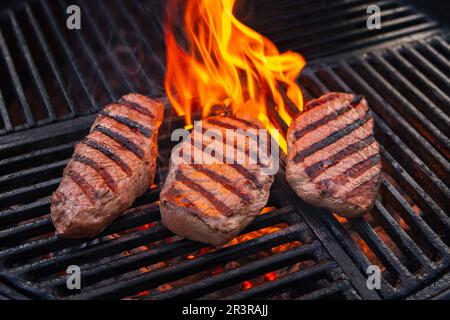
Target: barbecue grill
x=54, y=80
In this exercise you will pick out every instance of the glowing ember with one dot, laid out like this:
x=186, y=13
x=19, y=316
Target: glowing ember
x=218, y=269
x=340, y=219
x=267, y=209
x=247, y=285
x=227, y=64
x=271, y=276
x=146, y=226
x=262, y=232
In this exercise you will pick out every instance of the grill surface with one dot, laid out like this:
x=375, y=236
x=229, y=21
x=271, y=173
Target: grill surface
x=293, y=251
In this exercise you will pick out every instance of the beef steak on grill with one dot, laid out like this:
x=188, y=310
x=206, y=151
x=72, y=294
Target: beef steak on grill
x=213, y=202
x=333, y=158
x=109, y=169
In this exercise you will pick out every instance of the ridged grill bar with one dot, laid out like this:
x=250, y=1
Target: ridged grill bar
x=51, y=70
x=415, y=160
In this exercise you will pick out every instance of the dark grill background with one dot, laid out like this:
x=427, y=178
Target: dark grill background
x=54, y=80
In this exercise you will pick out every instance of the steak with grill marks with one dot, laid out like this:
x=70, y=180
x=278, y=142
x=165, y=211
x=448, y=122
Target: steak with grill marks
x=109, y=169
x=213, y=201
x=333, y=158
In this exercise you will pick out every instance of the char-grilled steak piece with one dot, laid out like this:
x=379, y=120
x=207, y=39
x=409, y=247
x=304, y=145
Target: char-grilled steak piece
x=213, y=202
x=109, y=169
x=334, y=160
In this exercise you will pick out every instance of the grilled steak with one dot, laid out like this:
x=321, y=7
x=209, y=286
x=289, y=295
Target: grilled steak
x=109, y=169
x=213, y=202
x=334, y=160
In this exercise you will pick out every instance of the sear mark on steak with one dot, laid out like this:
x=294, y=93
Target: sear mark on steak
x=109, y=180
x=213, y=202
x=125, y=142
x=108, y=153
x=109, y=169
x=333, y=158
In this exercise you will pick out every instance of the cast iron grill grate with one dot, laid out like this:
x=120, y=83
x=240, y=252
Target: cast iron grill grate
x=137, y=257
x=322, y=28
x=407, y=233
x=52, y=73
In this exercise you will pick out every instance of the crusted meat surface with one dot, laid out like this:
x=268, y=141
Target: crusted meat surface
x=333, y=158
x=212, y=202
x=109, y=169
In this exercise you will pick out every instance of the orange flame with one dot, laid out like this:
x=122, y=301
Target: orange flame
x=227, y=64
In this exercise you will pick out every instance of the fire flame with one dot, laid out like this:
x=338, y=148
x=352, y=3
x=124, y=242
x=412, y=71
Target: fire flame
x=225, y=64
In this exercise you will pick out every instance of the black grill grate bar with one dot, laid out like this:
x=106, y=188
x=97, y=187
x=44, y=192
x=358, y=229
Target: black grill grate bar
x=69, y=54
x=382, y=251
x=50, y=59
x=425, y=29
x=31, y=176
x=178, y=249
x=52, y=135
x=415, y=221
x=24, y=230
x=384, y=128
x=360, y=259
x=437, y=58
x=26, y=160
x=10, y=217
x=245, y=272
x=29, y=193
x=45, y=267
x=125, y=11
x=130, y=87
x=38, y=83
x=23, y=289
x=444, y=46
x=28, y=230
x=407, y=109
x=119, y=266
x=433, y=113
x=156, y=21
x=270, y=288
x=401, y=238
x=342, y=287
x=374, y=241
x=108, y=248
x=94, y=63
x=429, y=70
x=314, y=84
x=25, y=108
x=416, y=192
x=144, y=281
x=415, y=167
x=349, y=24
x=395, y=200
x=410, y=136
x=4, y=114
x=150, y=83
x=134, y=218
x=391, y=30
x=305, y=12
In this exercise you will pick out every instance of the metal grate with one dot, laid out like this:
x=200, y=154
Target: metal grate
x=53, y=74
x=137, y=257
x=321, y=28
x=407, y=233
